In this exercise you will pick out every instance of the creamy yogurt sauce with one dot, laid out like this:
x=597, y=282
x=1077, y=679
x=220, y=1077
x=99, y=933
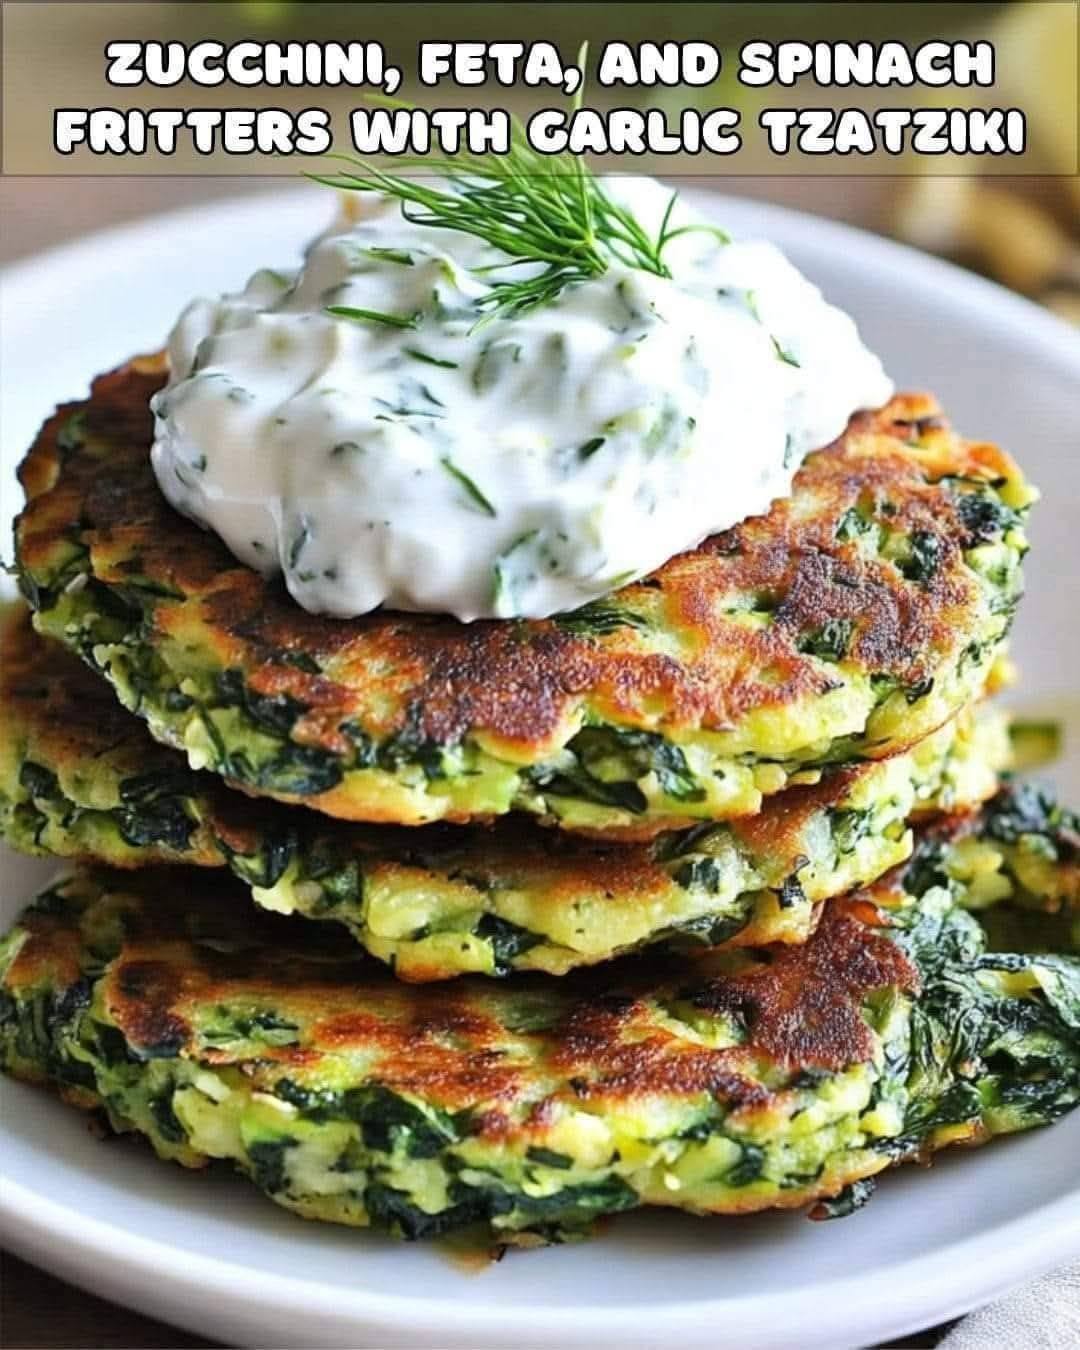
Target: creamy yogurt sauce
x=514, y=467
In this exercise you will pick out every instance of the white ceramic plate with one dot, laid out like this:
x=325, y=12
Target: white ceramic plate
x=213, y=1256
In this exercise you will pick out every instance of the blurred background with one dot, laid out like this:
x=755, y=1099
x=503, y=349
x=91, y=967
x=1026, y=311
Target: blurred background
x=1023, y=230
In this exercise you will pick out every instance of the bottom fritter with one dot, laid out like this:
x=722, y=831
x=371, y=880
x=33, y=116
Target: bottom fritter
x=739, y=1081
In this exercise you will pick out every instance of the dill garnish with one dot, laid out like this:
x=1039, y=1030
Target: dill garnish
x=551, y=213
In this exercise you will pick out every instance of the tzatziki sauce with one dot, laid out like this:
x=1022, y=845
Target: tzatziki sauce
x=437, y=458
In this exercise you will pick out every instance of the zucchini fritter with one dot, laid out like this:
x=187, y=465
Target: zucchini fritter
x=738, y=1081
x=81, y=777
x=851, y=621
x=1024, y=847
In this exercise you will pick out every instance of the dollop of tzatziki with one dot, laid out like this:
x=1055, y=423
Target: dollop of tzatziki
x=365, y=427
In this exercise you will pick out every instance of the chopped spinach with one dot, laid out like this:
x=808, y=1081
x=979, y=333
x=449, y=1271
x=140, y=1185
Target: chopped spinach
x=578, y=1204
x=748, y=1168
x=275, y=714
x=918, y=689
x=388, y=1121
x=266, y=1159
x=507, y=940
x=709, y=929
x=927, y=554
x=164, y=1116
x=412, y=745
x=830, y=642
x=267, y=865
x=702, y=874
x=392, y=1209
x=852, y=1197
x=1030, y=809
x=579, y=784
x=300, y=770
x=926, y=867
x=39, y=781
x=262, y=1026
x=849, y=826
x=985, y=517
x=636, y=754
x=364, y=756
x=600, y=618
x=854, y=523
x=339, y=877
x=155, y=809
x=547, y=1157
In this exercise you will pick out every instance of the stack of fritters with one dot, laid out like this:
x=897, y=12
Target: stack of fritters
x=768, y=771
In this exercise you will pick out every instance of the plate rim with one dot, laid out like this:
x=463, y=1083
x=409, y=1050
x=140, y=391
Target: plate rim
x=838, y=1311
x=1002, y=1257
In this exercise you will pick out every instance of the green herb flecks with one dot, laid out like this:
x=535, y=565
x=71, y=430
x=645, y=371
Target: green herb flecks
x=474, y=493
x=415, y=399
x=418, y=355
x=299, y=542
x=504, y=577
x=393, y=255
x=494, y=360
x=783, y=353
x=373, y=316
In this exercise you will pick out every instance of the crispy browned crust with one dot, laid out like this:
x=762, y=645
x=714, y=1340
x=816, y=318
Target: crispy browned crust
x=69, y=718
x=65, y=713
x=523, y=686
x=57, y=714
x=801, y=1007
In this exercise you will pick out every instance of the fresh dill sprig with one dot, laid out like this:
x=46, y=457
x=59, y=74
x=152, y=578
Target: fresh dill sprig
x=551, y=213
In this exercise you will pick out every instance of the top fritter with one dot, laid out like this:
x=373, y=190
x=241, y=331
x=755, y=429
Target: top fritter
x=850, y=621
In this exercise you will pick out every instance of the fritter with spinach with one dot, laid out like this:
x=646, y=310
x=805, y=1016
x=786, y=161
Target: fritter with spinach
x=81, y=777
x=1023, y=848
x=742, y=1080
x=852, y=620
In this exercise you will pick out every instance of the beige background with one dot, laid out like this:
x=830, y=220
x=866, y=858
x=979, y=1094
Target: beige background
x=40, y=212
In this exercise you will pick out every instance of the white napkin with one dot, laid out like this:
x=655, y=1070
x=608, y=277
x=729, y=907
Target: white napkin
x=1042, y=1315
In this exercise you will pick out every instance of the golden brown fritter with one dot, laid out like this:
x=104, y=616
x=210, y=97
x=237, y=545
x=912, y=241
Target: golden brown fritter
x=849, y=622
x=81, y=777
x=739, y=1081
